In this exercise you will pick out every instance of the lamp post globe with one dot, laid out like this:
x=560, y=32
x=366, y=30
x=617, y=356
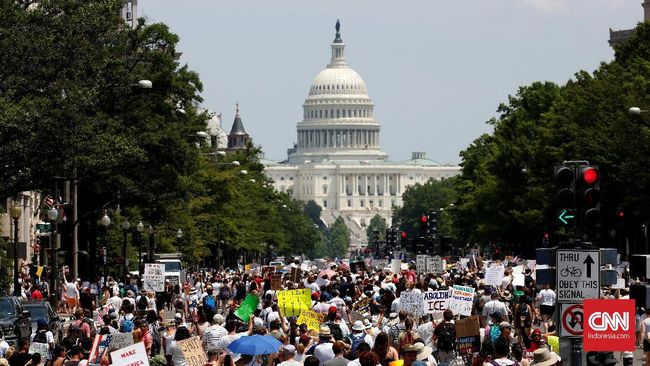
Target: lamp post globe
x=106, y=221
x=634, y=111
x=140, y=227
x=179, y=234
x=145, y=84
x=52, y=214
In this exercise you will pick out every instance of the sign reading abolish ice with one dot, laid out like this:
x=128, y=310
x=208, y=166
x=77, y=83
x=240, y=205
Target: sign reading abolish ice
x=292, y=302
x=462, y=298
x=436, y=302
x=154, y=277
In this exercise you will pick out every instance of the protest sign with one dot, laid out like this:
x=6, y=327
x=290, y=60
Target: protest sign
x=462, y=299
x=100, y=347
x=434, y=264
x=41, y=348
x=494, y=275
x=120, y=340
x=247, y=307
x=154, y=277
x=355, y=315
x=292, y=302
x=468, y=336
x=411, y=302
x=518, y=279
x=463, y=263
x=395, y=265
x=193, y=352
x=135, y=354
x=436, y=302
x=380, y=263
x=311, y=319
x=276, y=281
x=295, y=274
x=363, y=305
x=421, y=263
x=620, y=284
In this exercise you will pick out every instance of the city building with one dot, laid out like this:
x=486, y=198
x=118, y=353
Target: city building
x=617, y=37
x=337, y=160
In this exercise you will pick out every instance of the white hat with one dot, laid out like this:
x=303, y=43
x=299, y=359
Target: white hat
x=218, y=318
x=358, y=326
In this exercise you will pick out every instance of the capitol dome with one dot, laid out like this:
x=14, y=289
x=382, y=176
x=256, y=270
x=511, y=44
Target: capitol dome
x=338, y=115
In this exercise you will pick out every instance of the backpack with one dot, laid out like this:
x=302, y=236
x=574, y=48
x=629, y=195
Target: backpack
x=40, y=336
x=495, y=332
x=394, y=334
x=356, y=340
x=337, y=333
x=224, y=293
x=127, y=326
x=447, y=338
x=143, y=303
x=209, y=303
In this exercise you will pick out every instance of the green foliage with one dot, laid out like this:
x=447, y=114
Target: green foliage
x=313, y=210
x=377, y=223
x=420, y=198
x=507, y=187
x=334, y=242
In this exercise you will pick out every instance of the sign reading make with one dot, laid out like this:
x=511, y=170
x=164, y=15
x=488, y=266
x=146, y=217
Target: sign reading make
x=578, y=275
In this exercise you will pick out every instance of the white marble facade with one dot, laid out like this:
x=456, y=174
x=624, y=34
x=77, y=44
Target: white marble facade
x=337, y=160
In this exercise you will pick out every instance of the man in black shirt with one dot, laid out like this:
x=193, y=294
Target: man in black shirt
x=22, y=356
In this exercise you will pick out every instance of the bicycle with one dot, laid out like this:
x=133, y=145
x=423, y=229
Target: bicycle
x=571, y=272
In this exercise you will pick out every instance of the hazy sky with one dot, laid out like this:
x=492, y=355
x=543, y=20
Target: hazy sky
x=436, y=70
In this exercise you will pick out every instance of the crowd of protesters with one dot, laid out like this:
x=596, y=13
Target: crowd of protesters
x=516, y=323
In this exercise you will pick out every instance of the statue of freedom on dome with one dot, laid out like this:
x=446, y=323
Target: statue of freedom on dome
x=338, y=26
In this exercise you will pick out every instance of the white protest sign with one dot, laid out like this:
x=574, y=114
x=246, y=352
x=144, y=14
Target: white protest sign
x=462, y=299
x=421, y=263
x=41, y=348
x=435, y=302
x=620, y=284
x=411, y=302
x=463, y=263
x=518, y=279
x=434, y=264
x=494, y=275
x=120, y=340
x=154, y=277
x=395, y=265
x=132, y=355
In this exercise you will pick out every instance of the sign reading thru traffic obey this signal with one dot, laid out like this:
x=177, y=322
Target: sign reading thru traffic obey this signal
x=578, y=275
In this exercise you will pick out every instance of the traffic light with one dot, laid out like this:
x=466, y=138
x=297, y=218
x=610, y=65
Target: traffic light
x=566, y=185
x=432, y=221
x=589, y=195
x=424, y=225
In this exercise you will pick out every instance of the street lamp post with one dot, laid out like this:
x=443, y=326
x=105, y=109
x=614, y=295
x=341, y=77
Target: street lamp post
x=179, y=237
x=140, y=230
x=52, y=215
x=152, y=244
x=106, y=222
x=126, y=225
x=15, y=211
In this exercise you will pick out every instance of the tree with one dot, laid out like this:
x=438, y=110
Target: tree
x=313, y=210
x=377, y=223
x=418, y=199
x=339, y=238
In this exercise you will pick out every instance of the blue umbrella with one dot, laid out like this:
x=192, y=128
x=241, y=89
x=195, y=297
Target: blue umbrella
x=255, y=345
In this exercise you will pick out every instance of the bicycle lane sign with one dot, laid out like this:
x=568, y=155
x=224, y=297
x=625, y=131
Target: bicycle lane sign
x=578, y=275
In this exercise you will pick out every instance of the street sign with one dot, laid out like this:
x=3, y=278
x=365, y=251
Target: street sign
x=43, y=227
x=578, y=275
x=572, y=316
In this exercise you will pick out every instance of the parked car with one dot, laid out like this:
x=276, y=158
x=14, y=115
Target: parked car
x=43, y=310
x=15, y=320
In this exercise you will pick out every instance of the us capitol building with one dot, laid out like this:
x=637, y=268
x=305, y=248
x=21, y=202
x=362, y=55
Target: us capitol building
x=337, y=160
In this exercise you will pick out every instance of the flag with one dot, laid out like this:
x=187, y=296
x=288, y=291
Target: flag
x=48, y=201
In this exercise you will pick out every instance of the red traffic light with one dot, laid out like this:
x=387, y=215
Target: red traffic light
x=403, y=234
x=423, y=218
x=620, y=214
x=590, y=175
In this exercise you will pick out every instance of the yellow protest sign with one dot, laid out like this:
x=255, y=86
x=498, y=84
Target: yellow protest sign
x=247, y=267
x=292, y=302
x=311, y=319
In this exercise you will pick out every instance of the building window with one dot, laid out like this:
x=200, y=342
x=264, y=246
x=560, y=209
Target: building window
x=362, y=203
x=290, y=178
x=349, y=203
x=281, y=178
x=325, y=189
x=325, y=203
x=392, y=203
x=380, y=203
x=370, y=203
x=325, y=178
